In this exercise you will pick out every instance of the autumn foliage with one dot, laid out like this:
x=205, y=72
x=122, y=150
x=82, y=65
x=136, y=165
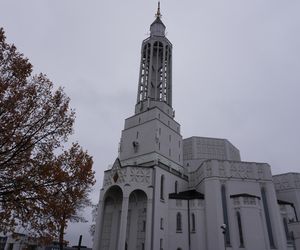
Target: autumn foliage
x=42, y=186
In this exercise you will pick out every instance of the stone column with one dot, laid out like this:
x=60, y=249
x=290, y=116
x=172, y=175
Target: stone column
x=148, y=225
x=123, y=223
x=98, y=229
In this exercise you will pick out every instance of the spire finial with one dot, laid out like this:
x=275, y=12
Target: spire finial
x=158, y=10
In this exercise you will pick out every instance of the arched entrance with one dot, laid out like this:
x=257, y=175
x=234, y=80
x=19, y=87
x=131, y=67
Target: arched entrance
x=136, y=220
x=111, y=218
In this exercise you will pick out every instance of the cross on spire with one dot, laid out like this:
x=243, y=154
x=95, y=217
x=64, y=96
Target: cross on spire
x=158, y=14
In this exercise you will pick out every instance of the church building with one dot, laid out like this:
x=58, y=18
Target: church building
x=164, y=192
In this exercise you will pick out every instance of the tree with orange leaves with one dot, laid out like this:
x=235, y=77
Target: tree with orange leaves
x=39, y=181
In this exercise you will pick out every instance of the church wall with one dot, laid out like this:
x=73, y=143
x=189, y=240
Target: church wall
x=288, y=189
x=198, y=236
x=161, y=206
x=214, y=214
x=250, y=211
x=177, y=238
x=212, y=175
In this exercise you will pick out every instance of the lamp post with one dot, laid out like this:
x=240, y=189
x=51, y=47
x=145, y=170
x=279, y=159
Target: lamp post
x=223, y=227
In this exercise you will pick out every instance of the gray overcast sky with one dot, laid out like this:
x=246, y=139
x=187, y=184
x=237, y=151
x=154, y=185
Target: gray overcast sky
x=236, y=70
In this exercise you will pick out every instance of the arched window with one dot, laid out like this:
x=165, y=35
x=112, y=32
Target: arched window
x=162, y=183
x=178, y=222
x=193, y=223
x=238, y=216
x=176, y=187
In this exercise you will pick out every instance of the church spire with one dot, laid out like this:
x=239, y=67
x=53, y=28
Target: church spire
x=155, y=80
x=158, y=10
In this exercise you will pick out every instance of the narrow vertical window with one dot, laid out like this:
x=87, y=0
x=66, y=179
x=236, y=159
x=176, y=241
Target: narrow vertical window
x=238, y=216
x=288, y=236
x=178, y=223
x=162, y=183
x=161, y=223
x=267, y=216
x=137, y=134
x=176, y=187
x=193, y=223
x=144, y=226
x=169, y=138
x=159, y=146
x=161, y=244
x=139, y=119
x=159, y=131
x=225, y=214
x=158, y=115
x=169, y=123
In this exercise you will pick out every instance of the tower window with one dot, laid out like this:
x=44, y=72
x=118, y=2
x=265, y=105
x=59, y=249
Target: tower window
x=162, y=183
x=178, y=222
x=176, y=187
x=137, y=134
x=139, y=119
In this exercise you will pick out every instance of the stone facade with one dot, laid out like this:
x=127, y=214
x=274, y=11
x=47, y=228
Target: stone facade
x=163, y=192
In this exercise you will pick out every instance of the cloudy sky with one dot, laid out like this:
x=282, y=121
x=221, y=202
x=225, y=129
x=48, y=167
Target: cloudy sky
x=236, y=70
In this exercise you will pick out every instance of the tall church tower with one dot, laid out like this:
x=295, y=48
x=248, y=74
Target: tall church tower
x=152, y=134
x=133, y=204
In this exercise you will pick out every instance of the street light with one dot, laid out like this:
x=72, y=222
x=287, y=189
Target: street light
x=223, y=227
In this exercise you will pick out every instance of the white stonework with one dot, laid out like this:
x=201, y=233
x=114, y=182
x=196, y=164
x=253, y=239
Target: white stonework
x=163, y=192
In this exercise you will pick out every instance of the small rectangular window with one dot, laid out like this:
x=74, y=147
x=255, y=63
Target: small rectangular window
x=137, y=134
x=161, y=223
x=144, y=226
x=161, y=244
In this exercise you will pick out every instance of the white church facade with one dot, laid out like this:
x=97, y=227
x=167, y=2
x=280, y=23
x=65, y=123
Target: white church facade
x=164, y=192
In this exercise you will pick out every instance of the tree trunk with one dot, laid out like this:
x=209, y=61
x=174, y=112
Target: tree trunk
x=61, y=235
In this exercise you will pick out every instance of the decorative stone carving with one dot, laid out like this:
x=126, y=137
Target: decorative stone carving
x=222, y=171
x=139, y=175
